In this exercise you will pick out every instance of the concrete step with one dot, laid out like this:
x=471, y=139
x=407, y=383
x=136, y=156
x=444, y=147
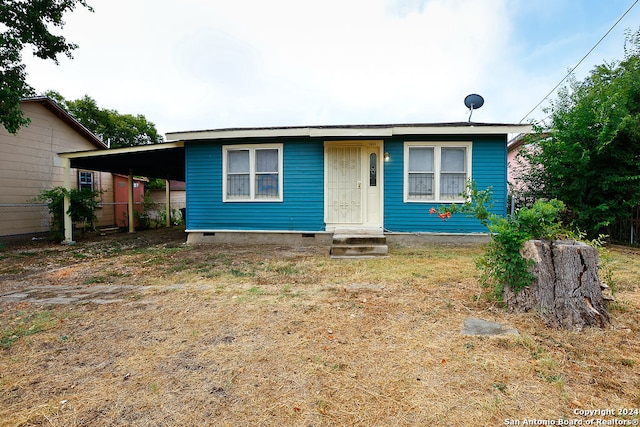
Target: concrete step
x=350, y=239
x=359, y=244
x=359, y=251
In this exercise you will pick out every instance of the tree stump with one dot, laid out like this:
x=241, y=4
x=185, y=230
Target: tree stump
x=566, y=291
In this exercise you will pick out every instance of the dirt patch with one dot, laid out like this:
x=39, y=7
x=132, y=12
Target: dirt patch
x=264, y=335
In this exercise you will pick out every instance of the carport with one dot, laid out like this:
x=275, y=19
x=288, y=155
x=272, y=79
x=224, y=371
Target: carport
x=165, y=161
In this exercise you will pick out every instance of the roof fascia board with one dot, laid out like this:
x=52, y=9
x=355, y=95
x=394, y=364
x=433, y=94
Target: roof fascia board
x=346, y=131
x=457, y=130
x=124, y=150
x=351, y=132
x=237, y=133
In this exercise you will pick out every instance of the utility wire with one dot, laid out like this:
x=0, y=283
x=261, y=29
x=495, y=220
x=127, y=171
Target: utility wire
x=579, y=62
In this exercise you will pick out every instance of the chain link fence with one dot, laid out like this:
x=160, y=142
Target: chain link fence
x=24, y=218
x=32, y=220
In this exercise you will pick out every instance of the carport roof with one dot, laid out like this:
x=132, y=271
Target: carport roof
x=153, y=161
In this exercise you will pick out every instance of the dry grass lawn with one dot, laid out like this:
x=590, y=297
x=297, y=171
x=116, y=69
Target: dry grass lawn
x=262, y=335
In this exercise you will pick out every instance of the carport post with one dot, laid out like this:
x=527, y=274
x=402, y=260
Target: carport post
x=168, y=201
x=132, y=220
x=68, y=224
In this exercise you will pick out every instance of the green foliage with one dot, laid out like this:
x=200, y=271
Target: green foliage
x=24, y=325
x=121, y=130
x=502, y=264
x=28, y=24
x=477, y=203
x=144, y=217
x=176, y=217
x=82, y=208
x=589, y=156
x=155, y=184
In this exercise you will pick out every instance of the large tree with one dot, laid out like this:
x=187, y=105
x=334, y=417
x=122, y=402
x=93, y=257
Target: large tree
x=120, y=130
x=28, y=24
x=590, y=155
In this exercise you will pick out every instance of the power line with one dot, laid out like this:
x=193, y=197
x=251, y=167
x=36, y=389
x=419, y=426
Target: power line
x=579, y=62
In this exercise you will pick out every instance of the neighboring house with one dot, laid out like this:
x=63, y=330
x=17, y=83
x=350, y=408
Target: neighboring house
x=178, y=198
x=29, y=164
x=313, y=181
x=513, y=148
x=121, y=198
x=517, y=165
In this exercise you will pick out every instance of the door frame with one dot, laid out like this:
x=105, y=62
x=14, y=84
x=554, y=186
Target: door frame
x=367, y=147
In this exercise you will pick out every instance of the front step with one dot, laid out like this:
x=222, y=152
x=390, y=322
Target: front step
x=359, y=244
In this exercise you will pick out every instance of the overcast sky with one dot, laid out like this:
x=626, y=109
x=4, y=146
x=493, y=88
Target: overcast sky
x=209, y=64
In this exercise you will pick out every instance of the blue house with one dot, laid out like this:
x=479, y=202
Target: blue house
x=284, y=183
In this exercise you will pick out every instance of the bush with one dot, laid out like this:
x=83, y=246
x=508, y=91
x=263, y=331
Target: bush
x=82, y=208
x=502, y=264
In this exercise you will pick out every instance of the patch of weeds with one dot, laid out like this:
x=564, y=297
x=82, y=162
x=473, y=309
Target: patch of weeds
x=287, y=270
x=254, y=290
x=212, y=274
x=507, y=344
x=28, y=254
x=154, y=387
x=285, y=292
x=556, y=379
x=79, y=255
x=536, y=353
x=11, y=270
x=180, y=266
x=154, y=261
x=24, y=325
x=547, y=362
x=501, y=387
x=339, y=366
x=627, y=362
x=239, y=273
x=207, y=270
x=617, y=306
x=95, y=280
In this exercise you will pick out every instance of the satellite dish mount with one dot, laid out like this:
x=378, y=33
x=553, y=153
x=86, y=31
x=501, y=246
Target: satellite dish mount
x=472, y=102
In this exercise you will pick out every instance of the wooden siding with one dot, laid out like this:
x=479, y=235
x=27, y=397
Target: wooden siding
x=301, y=209
x=29, y=164
x=488, y=169
x=303, y=206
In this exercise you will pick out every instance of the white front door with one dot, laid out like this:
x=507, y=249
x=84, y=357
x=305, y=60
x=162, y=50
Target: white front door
x=353, y=184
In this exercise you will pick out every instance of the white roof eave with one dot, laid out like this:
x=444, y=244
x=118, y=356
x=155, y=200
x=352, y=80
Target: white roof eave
x=354, y=131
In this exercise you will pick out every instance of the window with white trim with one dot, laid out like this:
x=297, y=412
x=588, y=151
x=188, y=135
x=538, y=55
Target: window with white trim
x=252, y=173
x=436, y=172
x=85, y=180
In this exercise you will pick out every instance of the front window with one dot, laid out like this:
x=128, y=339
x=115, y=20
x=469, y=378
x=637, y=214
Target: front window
x=252, y=173
x=436, y=172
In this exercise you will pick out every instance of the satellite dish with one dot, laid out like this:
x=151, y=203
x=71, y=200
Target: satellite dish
x=473, y=101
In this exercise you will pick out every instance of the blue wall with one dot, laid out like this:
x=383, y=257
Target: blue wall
x=301, y=210
x=489, y=168
x=303, y=205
